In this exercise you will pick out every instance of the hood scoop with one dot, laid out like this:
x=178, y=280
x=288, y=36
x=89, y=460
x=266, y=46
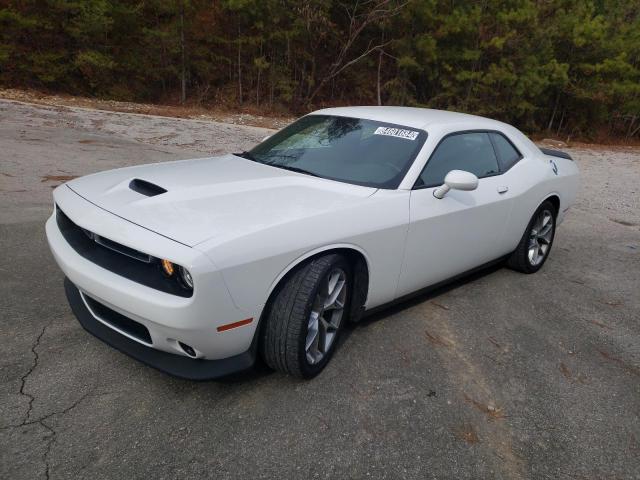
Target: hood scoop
x=145, y=188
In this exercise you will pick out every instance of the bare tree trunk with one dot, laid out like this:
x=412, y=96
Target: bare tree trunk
x=288, y=50
x=630, y=129
x=303, y=73
x=553, y=115
x=476, y=63
x=258, y=89
x=312, y=94
x=561, y=121
x=379, y=70
x=271, y=91
x=271, y=79
x=239, y=68
x=312, y=76
x=358, y=22
x=380, y=54
x=183, y=97
x=163, y=56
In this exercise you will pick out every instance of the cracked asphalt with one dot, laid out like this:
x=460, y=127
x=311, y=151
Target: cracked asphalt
x=501, y=375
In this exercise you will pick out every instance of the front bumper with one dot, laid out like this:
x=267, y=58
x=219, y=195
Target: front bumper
x=166, y=320
x=178, y=366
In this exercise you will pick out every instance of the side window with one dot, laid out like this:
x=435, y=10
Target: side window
x=508, y=156
x=471, y=152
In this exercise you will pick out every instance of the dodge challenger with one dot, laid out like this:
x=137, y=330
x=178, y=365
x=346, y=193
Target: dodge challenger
x=200, y=267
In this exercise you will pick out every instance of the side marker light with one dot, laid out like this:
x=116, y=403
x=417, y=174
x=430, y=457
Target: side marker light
x=229, y=326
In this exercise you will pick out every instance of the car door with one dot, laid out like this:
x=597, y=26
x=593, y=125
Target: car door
x=463, y=230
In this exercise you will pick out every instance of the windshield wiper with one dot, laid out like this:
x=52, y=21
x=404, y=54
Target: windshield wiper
x=247, y=155
x=294, y=169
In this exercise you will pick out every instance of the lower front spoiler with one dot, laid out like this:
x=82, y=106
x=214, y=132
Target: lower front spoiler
x=176, y=365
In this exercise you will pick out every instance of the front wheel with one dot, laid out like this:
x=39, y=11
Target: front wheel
x=306, y=316
x=535, y=245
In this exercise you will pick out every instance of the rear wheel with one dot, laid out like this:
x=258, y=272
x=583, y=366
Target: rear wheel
x=535, y=245
x=306, y=316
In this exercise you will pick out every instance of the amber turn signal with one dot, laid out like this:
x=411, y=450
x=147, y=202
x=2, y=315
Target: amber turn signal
x=167, y=267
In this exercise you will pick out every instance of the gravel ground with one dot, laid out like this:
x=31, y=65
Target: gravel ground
x=501, y=375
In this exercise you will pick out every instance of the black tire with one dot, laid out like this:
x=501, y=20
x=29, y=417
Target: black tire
x=285, y=331
x=519, y=259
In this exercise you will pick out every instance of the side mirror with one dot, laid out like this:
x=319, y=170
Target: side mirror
x=457, y=180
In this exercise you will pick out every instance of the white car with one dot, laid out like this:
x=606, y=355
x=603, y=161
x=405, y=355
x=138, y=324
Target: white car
x=196, y=267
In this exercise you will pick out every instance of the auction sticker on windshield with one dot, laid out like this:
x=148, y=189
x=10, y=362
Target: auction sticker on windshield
x=397, y=132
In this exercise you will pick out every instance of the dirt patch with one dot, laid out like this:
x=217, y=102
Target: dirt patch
x=57, y=178
x=601, y=325
x=623, y=222
x=438, y=340
x=621, y=363
x=467, y=433
x=566, y=373
x=443, y=307
x=491, y=411
x=245, y=116
x=611, y=303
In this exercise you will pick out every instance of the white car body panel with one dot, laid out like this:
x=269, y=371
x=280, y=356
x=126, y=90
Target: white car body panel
x=375, y=227
x=166, y=316
x=239, y=226
x=468, y=223
x=220, y=197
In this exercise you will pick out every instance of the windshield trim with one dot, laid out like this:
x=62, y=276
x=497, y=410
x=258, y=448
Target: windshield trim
x=391, y=184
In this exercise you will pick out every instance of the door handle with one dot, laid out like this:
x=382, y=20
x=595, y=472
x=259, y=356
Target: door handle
x=503, y=189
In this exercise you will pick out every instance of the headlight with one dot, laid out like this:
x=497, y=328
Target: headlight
x=176, y=273
x=186, y=278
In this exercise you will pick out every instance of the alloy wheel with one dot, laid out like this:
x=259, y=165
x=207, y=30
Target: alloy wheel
x=326, y=315
x=540, y=237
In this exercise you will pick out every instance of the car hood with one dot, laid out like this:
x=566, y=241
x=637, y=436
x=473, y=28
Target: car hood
x=201, y=199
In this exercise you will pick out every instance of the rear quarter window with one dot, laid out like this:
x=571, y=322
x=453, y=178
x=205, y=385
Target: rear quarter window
x=507, y=154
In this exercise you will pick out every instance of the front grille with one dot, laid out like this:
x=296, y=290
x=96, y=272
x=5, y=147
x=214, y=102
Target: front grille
x=117, y=247
x=117, y=258
x=117, y=320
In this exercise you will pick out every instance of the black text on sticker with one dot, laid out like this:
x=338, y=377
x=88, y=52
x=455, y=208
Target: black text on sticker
x=397, y=132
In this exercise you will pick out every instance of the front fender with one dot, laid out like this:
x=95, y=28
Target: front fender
x=252, y=265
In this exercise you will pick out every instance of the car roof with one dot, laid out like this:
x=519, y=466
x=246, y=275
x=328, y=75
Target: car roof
x=411, y=116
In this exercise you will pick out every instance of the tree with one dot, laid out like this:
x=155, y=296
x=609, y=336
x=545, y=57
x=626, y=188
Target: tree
x=569, y=67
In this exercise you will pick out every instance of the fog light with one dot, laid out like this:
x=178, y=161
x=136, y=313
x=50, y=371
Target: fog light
x=186, y=277
x=167, y=267
x=188, y=349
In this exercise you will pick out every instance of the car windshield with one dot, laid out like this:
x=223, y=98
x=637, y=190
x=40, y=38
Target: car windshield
x=351, y=150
